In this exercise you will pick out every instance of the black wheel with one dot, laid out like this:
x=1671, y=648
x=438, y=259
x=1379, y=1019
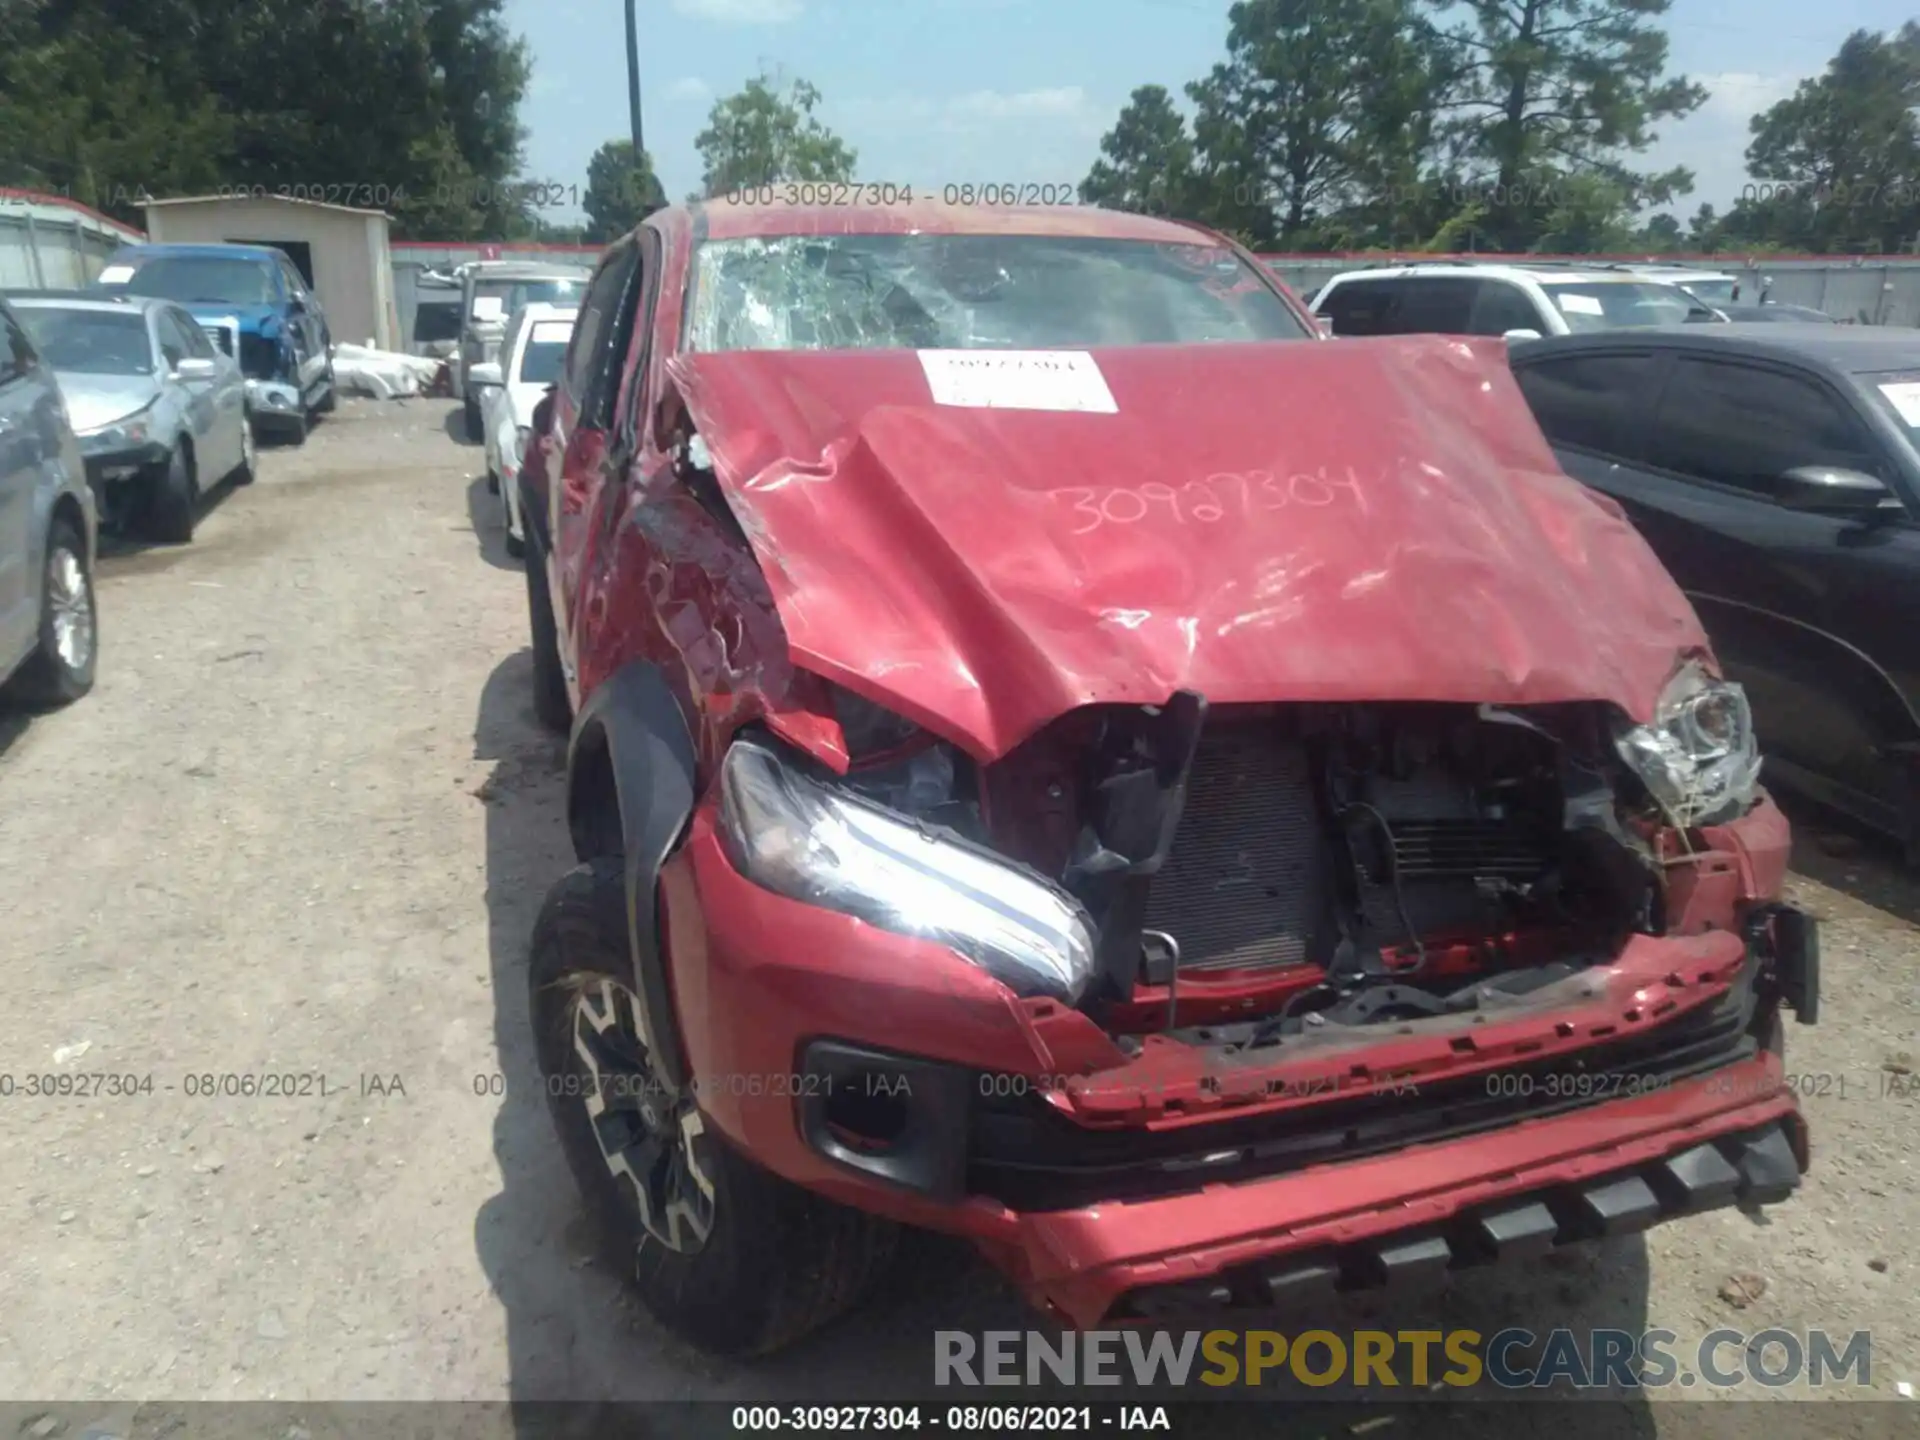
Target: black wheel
x=173, y=496
x=731, y=1258
x=516, y=544
x=330, y=401
x=550, y=700
x=60, y=670
x=474, y=428
x=493, y=481
x=249, y=453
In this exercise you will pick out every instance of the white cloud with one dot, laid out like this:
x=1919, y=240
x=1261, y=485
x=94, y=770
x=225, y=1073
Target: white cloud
x=690, y=89
x=1000, y=105
x=741, y=12
x=1712, y=141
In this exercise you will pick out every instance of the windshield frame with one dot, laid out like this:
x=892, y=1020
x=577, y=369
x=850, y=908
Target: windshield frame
x=1554, y=288
x=1303, y=322
x=268, y=273
x=114, y=317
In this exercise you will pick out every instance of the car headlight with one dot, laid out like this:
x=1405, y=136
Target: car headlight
x=118, y=436
x=819, y=845
x=1698, y=758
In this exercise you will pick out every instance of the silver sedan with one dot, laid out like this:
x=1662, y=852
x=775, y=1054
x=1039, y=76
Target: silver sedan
x=160, y=412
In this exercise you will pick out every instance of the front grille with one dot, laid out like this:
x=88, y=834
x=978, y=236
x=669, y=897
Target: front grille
x=1242, y=885
x=1025, y=1154
x=221, y=336
x=259, y=357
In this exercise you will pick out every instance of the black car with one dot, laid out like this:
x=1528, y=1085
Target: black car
x=1776, y=472
x=1775, y=315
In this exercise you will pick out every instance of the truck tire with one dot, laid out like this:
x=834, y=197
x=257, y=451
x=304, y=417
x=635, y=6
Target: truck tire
x=60, y=670
x=550, y=700
x=475, y=430
x=770, y=1262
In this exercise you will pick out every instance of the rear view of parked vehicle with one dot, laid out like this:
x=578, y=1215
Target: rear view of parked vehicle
x=491, y=291
x=161, y=414
x=1517, y=301
x=48, y=625
x=510, y=388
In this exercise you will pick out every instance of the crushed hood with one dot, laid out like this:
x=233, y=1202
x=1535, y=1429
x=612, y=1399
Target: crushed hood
x=1361, y=520
x=94, y=401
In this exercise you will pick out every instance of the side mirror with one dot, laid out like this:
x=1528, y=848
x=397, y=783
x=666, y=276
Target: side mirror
x=485, y=373
x=1522, y=334
x=196, y=368
x=296, y=306
x=1831, y=488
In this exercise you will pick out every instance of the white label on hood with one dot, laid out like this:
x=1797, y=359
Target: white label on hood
x=1905, y=397
x=116, y=275
x=551, y=332
x=488, y=307
x=1579, y=305
x=1018, y=380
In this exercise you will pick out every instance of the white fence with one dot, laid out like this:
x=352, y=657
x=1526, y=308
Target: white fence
x=50, y=243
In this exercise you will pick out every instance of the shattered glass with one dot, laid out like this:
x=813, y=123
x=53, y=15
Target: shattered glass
x=966, y=292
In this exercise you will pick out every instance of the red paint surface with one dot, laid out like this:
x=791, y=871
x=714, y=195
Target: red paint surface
x=1371, y=520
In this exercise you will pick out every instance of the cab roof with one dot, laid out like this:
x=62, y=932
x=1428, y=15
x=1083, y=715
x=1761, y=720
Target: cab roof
x=732, y=220
x=265, y=254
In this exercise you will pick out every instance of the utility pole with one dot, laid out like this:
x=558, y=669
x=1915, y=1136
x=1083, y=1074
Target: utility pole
x=633, y=83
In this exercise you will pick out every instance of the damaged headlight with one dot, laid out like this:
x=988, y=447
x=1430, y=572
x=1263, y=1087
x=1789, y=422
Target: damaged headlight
x=813, y=843
x=1698, y=759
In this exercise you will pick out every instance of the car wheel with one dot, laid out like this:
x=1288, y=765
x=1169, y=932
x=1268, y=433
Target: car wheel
x=249, y=453
x=472, y=407
x=550, y=700
x=516, y=543
x=60, y=670
x=493, y=481
x=172, y=498
x=330, y=401
x=293, y=428
x=730, y=1257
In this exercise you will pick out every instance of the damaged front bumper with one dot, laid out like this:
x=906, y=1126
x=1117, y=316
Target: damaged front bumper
x=275, y=398
x=882, y=1070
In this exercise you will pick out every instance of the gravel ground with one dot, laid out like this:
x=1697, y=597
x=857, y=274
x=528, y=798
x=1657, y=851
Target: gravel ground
x=301, y=828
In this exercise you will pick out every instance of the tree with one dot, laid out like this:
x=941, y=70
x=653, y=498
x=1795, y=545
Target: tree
x=1542, y=91
x=1146, y=162
x=1837, y=163
x=1320, y=108
x=758, y=136
x=620, y=194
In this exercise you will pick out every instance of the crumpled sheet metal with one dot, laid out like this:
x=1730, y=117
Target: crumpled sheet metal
x=1372, y=520
x=383, y=374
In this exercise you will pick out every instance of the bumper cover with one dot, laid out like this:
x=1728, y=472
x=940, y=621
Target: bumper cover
x=275, y=397
x=104, y=466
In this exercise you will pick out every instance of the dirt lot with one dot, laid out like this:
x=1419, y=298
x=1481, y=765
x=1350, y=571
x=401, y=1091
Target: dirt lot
x=301, y=828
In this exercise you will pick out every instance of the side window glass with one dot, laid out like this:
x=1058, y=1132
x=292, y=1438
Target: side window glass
x=1502, y=306
x=1584, y=401
x=173, y=345
x=16, y=351
x=591, y=330
x=1745, y=426
x=1435, y=305
x=1360, y=307
x=198, y=345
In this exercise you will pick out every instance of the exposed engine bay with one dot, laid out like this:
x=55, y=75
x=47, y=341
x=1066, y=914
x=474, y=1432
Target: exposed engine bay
x=1371, y=863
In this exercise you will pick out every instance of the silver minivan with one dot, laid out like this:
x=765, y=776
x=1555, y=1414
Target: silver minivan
x=48, y=626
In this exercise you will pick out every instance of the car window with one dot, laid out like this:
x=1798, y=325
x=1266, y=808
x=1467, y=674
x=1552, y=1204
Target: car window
x=1434, y=305
x=1612, y=304
x=16, y=350
x=545, y=351
x=290, y=276
x=199, y=346
x=593, y=332
x=1358, y=307
x=1501, y=306
x=203, y=280
x=1745, y=425
x=975, y=292
x=1585, y=401
x=173, y=345
x=86, y=341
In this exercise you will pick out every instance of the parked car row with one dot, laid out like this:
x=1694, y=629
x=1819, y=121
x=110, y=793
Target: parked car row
x=1083, y=758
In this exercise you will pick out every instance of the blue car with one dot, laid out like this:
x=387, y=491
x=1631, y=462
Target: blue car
x=254, y=305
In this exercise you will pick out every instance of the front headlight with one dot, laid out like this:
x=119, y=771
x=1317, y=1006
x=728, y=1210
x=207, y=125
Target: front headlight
x=1699, y=758
x=821, y=846
x=118, y=436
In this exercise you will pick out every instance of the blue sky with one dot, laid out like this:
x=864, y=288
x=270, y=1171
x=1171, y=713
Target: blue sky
x=930, y=92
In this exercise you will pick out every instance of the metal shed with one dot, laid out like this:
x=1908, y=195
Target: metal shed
x=341, y=250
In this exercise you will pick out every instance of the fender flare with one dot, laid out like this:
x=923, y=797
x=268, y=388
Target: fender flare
x=632, y=731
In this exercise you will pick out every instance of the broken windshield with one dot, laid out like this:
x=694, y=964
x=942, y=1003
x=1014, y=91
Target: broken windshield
x=974, y=292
